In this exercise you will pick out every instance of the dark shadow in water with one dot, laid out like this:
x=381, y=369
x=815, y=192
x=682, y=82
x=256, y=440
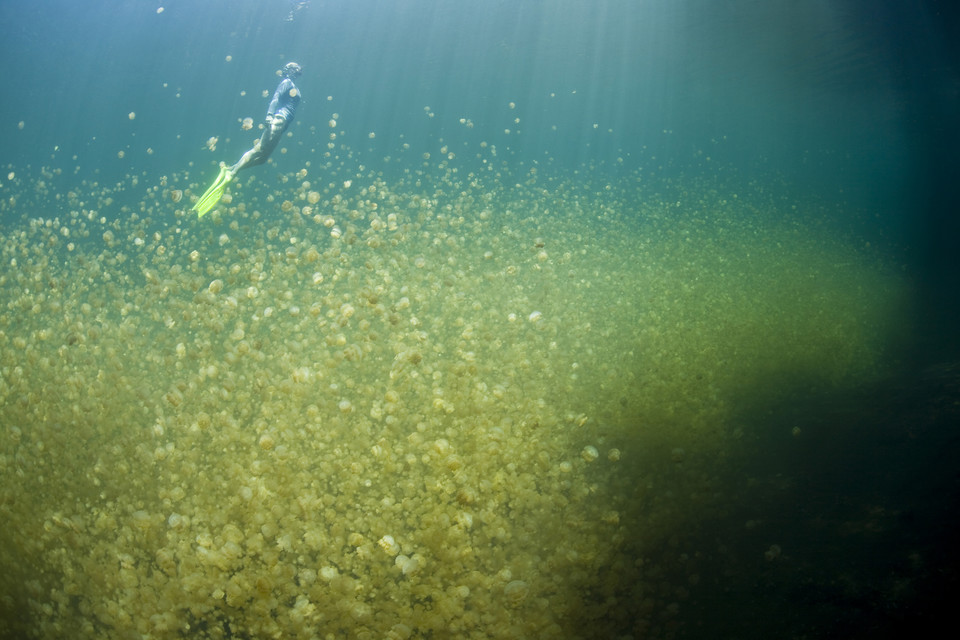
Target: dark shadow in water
x=838, y=518
x=847, y=528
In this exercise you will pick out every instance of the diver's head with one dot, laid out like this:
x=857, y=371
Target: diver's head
x=291, y=70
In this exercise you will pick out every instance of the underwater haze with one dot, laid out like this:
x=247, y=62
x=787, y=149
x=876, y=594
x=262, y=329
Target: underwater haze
x=545, y=319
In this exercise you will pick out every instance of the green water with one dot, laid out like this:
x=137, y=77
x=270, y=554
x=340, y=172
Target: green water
x=440, y=402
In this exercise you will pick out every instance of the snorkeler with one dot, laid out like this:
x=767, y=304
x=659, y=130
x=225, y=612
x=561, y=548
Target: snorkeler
x=280, y=114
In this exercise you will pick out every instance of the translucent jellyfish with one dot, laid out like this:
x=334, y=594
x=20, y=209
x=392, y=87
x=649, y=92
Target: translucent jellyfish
x=516, y=591
x=389, y=545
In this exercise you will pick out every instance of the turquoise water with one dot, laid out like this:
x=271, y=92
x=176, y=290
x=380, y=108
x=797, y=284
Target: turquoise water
x=538, y=323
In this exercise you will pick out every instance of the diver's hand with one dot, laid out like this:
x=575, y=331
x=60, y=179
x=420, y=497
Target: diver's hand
x=277, y=123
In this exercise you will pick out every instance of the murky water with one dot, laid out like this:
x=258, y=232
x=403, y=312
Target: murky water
x=447, y=402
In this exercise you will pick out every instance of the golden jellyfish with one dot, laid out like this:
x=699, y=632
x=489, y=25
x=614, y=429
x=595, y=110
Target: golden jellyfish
x=176, y=195
x=247, y=124
x=516, y=592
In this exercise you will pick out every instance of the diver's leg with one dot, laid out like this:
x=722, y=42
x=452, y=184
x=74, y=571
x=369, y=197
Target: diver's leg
x=263, y=147
x=246, y=160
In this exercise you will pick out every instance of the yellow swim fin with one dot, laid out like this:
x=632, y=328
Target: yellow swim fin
x=212, y=195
